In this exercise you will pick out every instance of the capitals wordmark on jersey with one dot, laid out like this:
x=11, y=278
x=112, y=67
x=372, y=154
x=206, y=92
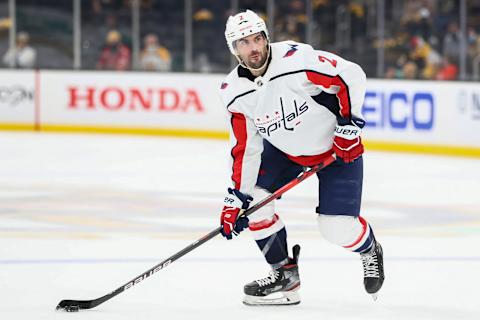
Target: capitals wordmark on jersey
x=287, y=118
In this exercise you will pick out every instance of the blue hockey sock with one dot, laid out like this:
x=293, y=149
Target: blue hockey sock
x=274, y=248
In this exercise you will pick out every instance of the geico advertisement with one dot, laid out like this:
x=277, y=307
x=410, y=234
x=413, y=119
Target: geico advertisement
x=422, y=112
x=132, y=100
x=17, y=97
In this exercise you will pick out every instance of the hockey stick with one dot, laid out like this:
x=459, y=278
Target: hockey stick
x=76, y=305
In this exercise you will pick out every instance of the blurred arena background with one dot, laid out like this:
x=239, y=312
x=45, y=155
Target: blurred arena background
x=424, y=39
x=137, y=82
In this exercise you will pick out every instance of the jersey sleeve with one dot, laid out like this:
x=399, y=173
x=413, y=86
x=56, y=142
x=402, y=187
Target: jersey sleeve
x=331, y=74
x=246, y=149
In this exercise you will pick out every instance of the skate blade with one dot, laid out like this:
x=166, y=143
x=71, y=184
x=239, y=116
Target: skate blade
x=374, y=296
x=285, y=298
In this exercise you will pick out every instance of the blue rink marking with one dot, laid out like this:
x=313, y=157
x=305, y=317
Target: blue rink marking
x=206, y=260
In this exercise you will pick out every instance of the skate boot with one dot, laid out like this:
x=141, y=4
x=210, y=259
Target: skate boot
x=279, y=288
x=373, y=275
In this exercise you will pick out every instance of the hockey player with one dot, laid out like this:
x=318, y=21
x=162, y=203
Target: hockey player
x=291, y=106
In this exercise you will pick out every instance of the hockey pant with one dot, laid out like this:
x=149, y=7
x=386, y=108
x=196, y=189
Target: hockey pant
x=339, y=221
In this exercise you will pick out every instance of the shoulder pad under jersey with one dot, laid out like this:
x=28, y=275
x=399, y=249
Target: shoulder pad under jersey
x=233, y=87
x=287, y=56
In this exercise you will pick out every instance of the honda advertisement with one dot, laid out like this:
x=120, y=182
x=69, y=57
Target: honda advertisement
x=131, y=100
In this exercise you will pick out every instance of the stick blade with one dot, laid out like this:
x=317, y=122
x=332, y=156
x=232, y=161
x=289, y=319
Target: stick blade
x=73, y=305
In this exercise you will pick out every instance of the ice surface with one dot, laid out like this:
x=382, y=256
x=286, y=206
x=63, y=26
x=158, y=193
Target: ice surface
x=80, y=215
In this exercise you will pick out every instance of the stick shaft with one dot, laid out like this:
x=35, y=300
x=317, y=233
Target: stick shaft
x=88, y=304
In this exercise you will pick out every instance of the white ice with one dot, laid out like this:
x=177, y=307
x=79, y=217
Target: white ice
x=81, y=215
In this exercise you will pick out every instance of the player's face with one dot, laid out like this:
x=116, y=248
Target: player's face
x=252, y=50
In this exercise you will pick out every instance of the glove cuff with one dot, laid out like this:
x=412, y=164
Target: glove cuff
x=348, y=132
x=237, y=199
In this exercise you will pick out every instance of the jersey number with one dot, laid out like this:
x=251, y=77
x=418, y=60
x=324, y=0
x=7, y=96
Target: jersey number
x=333, y=62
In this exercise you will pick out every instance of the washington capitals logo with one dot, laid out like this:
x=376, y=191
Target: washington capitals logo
x=291, y=51
x=281, y=119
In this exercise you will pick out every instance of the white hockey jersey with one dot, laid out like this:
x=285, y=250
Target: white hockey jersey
x=295, y=105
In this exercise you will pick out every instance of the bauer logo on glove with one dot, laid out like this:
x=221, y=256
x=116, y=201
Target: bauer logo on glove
x=347, y=143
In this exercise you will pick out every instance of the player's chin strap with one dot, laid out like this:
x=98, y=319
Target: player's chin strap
x=244, y=64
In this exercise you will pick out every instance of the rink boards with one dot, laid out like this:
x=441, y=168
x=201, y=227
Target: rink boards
x=414, y=116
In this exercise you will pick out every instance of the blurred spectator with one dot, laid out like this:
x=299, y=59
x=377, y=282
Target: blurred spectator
x=288, y=29
x=473, y=43
x=22, y=56
x=203, y=23
x=203, y=14
x=417, y=18
x=410, y=71
x=359, y=19
x=391, y=73
x=448, y=71
x=291, y=25
x=155, y=57
x=426, y=58
x=202, y=63
x=115, y=55
x=396, y=71
x=5, y=23
x=451, y=41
